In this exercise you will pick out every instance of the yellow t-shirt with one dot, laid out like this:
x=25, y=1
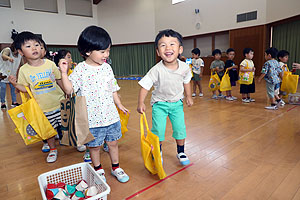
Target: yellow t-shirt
x=42, y=82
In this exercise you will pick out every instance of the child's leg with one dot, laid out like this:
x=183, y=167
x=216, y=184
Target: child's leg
x=13, y=94
x=159, y=119
x=228, y=93
x=194, y=87
x=199, y=86
x=176, y=116
x=51, y=142
x=3, y=92
x=95, y=155
x=113, y=151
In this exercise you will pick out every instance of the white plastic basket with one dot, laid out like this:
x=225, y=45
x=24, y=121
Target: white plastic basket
x=294, y=99
x=72, y=175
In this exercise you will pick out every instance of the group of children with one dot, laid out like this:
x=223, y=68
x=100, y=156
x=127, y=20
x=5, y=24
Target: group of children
x=272, y=72
x=94, y=79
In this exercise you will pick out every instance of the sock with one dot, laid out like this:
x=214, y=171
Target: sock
x=180, y=149
x=53, y=149
x=273, y=104
x=98, y=167
x=278, y=100
x=244, y=98
x=115, y=166
x=160, y=147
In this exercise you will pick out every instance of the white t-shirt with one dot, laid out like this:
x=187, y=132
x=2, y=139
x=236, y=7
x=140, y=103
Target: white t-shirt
x=196, y=65
x=8, y=68
x=248, y=64
x=97, y=84
x=168, y=84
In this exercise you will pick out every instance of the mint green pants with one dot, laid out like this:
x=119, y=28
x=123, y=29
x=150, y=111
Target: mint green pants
x=174, y=110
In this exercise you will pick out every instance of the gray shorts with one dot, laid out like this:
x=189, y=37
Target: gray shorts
x=272, y=89
x=106, y=133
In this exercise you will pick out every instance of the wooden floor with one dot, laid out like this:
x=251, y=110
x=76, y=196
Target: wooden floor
x=237, y=151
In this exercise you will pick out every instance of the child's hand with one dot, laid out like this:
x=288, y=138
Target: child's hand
x=189, y=101
x=253, y=69
x=11, y=60
x=123, y=109
x=141, y=108
x=12, y=80
x=63, y=65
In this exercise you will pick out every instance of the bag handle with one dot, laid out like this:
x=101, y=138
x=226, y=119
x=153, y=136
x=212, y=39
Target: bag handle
x=142, y=120
x=23, y=97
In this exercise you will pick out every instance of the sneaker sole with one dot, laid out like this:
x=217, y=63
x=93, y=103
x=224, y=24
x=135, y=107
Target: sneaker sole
x=187, y=162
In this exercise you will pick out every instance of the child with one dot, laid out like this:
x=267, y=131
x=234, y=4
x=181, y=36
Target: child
x=217, y=66
x=33, y=74
x=247, y=65
x=197, y=68
x=10, y=61
x=271, y=72
x=170, y=78
x=283, y=57
x=94, y=79
x=65, y=54
x=232, y=68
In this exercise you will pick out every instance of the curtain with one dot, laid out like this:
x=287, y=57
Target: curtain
x=126, y=59
x=287, y=37
x=132, y=59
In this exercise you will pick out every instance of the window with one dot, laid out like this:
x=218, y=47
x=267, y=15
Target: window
x=188, y=46
x=44, y=5
x=79, y=7
x=5, y=3
x=222, y=42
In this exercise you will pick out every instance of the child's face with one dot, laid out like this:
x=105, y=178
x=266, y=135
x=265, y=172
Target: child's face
x=249, y=55
x=168, y=49
x=68, y=58
x=284, y=59
x=43, y=51
x=97, y=57
x=195, y=56
x=268, y=56
x=31, y=49
x=217, y=56
x=230, y=55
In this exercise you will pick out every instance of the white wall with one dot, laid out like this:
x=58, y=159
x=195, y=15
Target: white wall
x=56, y=28
x=281, y=9
x=214, y=15
x=127, y=21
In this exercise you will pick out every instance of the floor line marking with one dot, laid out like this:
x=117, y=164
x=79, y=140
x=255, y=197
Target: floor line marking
x=154, y=184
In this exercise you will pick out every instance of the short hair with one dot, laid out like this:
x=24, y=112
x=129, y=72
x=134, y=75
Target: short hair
x=247, y=50
x=60, y=55
x=168, y=33
x=230, y=50
x=272, y=51
x=93, y=38
x=216, y=51
x=24, y=37
x=196, y=51
x=282, y=54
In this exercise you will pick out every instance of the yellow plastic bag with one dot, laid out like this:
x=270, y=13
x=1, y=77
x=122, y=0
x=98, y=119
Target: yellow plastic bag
x=225, y=84
x=151, y=150
x=214, y=82
x=289, y=82
x=30, y=120
x=124, y=121
x=246, y=78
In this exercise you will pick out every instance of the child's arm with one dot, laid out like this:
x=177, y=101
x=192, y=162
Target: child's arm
x=66, y=83
x=296, y=66
x=141, y=105
x=261, y=77
x=201, y=71
x=5, y=56
x=13, y=81
x=118, y=103
x=188, y=92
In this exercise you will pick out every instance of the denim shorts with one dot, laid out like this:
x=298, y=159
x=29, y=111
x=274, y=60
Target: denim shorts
x=106, y=133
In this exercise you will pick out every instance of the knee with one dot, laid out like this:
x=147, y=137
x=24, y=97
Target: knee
x=112, y=144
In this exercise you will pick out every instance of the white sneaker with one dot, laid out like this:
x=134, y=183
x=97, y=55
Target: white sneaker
x=252, y=100
x=229, y=98
x=81, y=148
x=101, y=173
x=214, y=96
x=201, y=95
x=271, y=107
x=246, y=100
x=234, y=98
x=281, y=103
x=221, y=96
x=120, y=175
x=45, y=148
x=183, y=161
x=194, y=94
x=87, y=157
x=52, y=156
